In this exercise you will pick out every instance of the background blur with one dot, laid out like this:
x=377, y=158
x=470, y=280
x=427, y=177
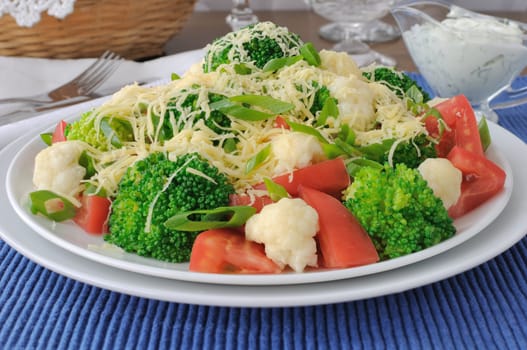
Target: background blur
x=480, y=5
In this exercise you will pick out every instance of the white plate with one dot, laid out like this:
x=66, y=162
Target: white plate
x=72, y=238
x=501, y=234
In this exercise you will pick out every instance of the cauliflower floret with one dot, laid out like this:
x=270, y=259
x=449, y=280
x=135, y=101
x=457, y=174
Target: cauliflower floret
x=356, y=102
x=287, y=229
x=57, y=168
x=295, y=150
x=443, y=178
x=339, y=63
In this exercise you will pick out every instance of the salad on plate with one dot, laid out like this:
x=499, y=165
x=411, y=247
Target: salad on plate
x=269, y=156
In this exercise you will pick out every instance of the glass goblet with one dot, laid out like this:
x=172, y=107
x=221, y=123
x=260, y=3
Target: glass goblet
x=349, y=18
x=241, y=15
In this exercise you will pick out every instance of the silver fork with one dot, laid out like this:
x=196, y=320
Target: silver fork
x=82, y=85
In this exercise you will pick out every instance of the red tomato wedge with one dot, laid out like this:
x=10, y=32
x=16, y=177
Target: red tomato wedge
x=258, y=202
x=280, y=122
x=482, y=179
x=58, y=133
x=342, y=240
x=329, y=176
x=227, y=251
x=459, y=117
x=92, y=216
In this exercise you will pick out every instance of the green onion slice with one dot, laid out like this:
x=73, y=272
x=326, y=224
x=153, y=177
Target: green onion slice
x=276, y=191
x=280, y=62
x=238, y=111
x=310, y=54
x=329, y=109
x=47, y=137
x=265, y=102
x=356, y=164
x=306, y=129
x=174, y=76
x=258, y=159
x=220, y=217
x=51, y=205
x=242, y=69
x=484, y=133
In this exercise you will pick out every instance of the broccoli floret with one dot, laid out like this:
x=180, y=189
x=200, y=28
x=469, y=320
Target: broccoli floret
x=412, y=152
x=398, y=210
x=154, y=189
x=321, y=96
x=187, y=104
x=258, y=43
x=85, y=129
x=398, y=82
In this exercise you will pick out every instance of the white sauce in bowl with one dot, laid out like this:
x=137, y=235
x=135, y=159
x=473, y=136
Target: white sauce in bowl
x=477, y=56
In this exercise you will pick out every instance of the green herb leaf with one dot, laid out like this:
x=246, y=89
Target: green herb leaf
x=258, y=159
x=201, y=220
x=174, y=76
x=310, y=54
x=51, y=205
x=276, y=191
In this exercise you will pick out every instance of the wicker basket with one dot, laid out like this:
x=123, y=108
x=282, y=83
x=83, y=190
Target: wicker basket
x=132, y=28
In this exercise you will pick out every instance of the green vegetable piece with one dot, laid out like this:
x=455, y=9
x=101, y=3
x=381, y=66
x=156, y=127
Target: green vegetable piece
x=47, y=137
x=415, y=94
x=242, y=69
x=306, y=129
x=201, y=220
x=265, y=102
x=356, y=164
x=398, y=210
x=258, y=159
x=91, y=189
x=174, y=76
x=276, y=191
x=310, y=54
x=330, y=109
x=484, y=133
x=332, y=151
x=347, y=134
x=238, y=111
x=279, y=63
x=51, y=205
x=229, y=145
x=110, y=133
x=87, y=163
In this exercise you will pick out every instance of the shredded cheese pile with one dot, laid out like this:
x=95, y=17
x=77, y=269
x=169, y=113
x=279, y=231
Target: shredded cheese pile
x=370, y=109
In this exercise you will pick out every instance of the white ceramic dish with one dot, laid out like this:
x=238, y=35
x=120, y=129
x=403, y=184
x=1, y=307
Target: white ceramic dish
x=72, y=238
x=501, y=234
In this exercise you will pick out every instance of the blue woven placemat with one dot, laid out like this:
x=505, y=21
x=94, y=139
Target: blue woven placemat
x=484, y=308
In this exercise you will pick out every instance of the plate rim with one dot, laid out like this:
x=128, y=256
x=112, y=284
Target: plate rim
x=156, y=268
x=428, y=271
